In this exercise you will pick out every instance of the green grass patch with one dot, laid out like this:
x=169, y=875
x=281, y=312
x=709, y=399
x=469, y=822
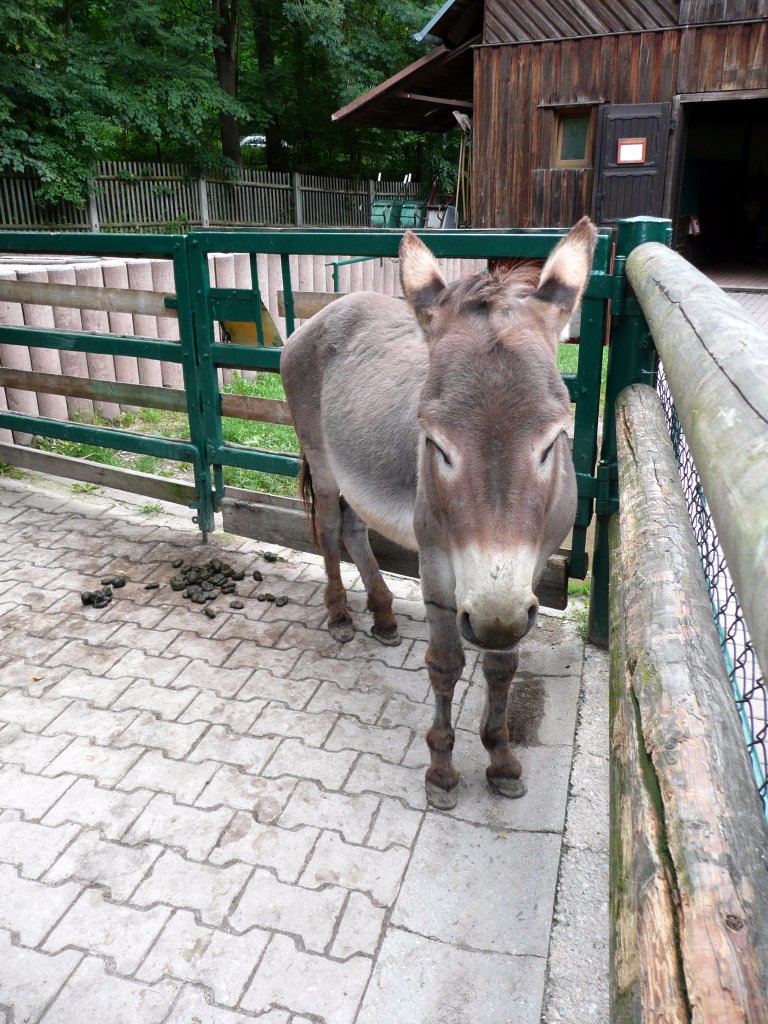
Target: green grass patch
x=580, y=588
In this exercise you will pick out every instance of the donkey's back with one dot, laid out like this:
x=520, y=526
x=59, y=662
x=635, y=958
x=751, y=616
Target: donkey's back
x=352, y=377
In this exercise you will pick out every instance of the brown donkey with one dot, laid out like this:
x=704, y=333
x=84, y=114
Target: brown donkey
x=443, y=426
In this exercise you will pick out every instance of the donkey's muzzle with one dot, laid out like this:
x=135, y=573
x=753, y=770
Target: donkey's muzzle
x=496, y=633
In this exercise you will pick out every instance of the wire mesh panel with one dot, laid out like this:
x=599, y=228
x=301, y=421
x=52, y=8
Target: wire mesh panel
x=749, y=686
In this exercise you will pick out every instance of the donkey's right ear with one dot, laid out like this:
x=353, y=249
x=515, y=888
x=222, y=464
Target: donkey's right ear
x=420, y=277
x=566, y=273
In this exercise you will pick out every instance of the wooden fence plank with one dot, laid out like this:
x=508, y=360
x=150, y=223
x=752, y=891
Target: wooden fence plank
x=95, y=473
x=74, y=296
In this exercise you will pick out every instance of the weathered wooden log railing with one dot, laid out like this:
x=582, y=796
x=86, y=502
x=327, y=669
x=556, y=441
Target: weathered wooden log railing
x=689, y=870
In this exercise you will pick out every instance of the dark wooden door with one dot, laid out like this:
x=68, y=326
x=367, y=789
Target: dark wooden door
x=638, y=133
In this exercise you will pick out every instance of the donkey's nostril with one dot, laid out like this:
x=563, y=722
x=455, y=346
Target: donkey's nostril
x=532, y=616
x=465, y=626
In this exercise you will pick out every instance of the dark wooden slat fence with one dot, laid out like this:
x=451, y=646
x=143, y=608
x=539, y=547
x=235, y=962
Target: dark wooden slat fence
x=133, y=195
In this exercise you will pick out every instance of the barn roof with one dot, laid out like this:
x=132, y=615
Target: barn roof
x=529, y=20
x=421, y=97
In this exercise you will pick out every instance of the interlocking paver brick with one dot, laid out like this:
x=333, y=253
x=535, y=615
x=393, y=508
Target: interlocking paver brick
x=237, y=714
x=262, y=685
x=33, y=795
x=225, y=682
x=29, y=908
x=29, y=750
x=161, y=671
x=366, y=704
x=284, y=850
x=29, y=980
x=191, y=1008
x=94, y=690
x=371, y=774
x=394, y=825
x=360, y=928
x=418, y=979
x=310, y=914
x=36, y=598
x=80, y=719
x=253, y=654
x=212, y=651
x=183, y=780
x=329, y=768
x=78, y=627
x=92, y=859
x=161, y=700
x=150, y=641
x=377, y=872
x=400, y=710
x=351, y=734
x=32, y=847
x=92, y=658
x=98, y=926
x=230, y=787
x=278, y=720
x=31, y=713
x=35, y=648
x=207, y=956
x=312, y=665
x=203, y=887
x=108, y=810
x=311, y=805
x=195, y=831
x=84, y=757
x=328, y=989
x=219, y=744
x=91, y=994
x=175, y=738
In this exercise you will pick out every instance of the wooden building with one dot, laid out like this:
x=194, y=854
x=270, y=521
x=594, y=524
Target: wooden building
x=609, y=107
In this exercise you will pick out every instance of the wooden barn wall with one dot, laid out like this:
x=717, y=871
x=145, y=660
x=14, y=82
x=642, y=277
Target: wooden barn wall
x=514, y=182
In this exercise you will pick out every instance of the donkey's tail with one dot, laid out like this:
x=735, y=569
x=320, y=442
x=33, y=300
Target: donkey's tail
x=308, y=495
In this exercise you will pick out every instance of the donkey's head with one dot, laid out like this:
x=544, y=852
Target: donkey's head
x=497, y=490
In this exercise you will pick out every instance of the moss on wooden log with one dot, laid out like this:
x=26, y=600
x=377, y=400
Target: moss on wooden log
x=688, y=819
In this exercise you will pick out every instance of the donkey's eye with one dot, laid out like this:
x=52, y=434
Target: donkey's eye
x=548, y=453
x=439, y=452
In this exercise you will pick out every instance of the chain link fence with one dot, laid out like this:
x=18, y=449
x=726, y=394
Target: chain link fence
x=749, y=686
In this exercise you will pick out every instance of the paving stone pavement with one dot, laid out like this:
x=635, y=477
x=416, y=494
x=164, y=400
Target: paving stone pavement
x=216, y=821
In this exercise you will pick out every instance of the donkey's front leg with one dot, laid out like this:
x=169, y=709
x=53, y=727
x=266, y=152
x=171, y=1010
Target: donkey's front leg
x=505, y=771
x=445, y=661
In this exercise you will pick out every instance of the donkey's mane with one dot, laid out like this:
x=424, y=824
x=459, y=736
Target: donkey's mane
x=492, y=289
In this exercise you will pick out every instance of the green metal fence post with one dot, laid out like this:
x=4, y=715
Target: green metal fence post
x=204, y=402
x=631, y=360
x=198, y=425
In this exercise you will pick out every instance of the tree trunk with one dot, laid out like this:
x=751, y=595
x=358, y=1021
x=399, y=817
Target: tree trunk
x=263, y=28
x=226, y=54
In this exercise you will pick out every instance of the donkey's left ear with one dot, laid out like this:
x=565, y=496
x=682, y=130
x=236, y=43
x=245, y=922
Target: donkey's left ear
x=420, y=277
x=566, y=272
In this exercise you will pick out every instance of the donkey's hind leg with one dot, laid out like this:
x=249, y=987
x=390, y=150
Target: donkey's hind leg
x=328, y=527
x=505, y=771
x=355, y=535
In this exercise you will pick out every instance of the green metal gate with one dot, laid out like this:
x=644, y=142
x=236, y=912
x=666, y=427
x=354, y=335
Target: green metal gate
x=199, y=306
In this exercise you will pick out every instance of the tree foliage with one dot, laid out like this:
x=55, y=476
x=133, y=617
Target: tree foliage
x=82, y=80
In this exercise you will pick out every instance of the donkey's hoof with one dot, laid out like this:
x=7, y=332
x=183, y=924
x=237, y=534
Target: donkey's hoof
x=442, y=799
x=511, y=788
x=391, y=639
x=342, y=630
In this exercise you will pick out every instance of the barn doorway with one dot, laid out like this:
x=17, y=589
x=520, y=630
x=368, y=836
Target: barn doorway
x=723, y=200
